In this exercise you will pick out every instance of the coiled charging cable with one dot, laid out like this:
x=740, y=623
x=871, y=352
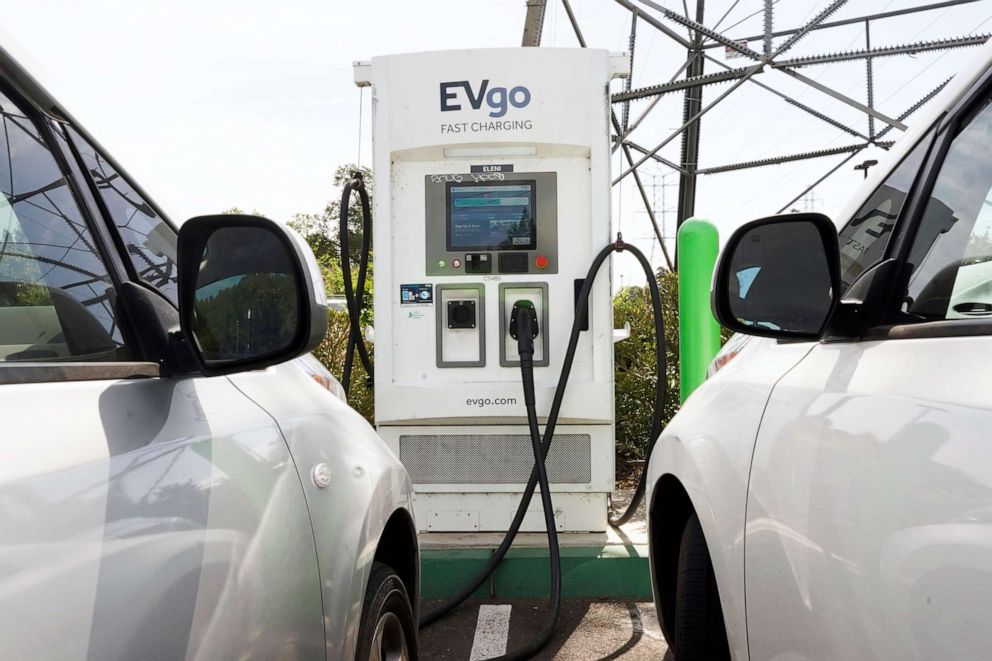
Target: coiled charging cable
x=355, y=300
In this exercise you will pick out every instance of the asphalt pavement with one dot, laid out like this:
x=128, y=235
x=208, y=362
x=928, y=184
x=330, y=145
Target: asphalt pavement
x=588, y=629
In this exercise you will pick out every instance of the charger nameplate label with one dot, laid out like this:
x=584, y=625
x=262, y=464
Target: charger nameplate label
x=480, y=169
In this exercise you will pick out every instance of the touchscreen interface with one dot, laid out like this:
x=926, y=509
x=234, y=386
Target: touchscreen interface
x=491, y=216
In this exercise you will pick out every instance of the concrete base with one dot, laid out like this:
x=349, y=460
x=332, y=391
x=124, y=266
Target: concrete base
x=611, y=564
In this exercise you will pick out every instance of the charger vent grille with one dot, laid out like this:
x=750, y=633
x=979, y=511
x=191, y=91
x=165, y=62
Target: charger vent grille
x=493, y=458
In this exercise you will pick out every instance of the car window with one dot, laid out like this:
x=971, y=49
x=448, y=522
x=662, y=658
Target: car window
x=864, y=240
x=951, y=255
x=150, y=243
x=56, y=298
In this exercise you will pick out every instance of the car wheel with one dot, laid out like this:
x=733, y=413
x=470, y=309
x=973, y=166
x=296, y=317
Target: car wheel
x=387, y=631
x=700, y=632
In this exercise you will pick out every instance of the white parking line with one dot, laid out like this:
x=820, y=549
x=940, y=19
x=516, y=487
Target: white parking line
x=491, y=632
x=649, y=621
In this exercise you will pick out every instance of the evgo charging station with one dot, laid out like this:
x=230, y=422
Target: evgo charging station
x=492, y=180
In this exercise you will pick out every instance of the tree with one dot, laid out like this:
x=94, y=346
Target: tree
x=246, y=314
x=321, y=231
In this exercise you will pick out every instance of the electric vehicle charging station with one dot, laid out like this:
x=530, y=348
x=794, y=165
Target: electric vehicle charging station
x=492, y=179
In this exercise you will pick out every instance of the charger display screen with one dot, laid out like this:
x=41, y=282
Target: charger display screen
x=496, y=215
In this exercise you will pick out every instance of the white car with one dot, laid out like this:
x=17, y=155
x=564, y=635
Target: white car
x=827, y=492
x=173, y=484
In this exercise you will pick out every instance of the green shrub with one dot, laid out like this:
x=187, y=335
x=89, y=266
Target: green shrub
x=331, y=353
x=634, y=363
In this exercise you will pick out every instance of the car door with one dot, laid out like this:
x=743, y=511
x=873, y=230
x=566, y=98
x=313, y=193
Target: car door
x=141, y=517
x=869, y=523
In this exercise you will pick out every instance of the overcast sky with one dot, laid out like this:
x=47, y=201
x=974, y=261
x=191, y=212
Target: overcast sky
x=250, y=103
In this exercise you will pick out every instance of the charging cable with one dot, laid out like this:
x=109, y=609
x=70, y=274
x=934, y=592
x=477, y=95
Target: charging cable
x=523, y=328
x=355, y=300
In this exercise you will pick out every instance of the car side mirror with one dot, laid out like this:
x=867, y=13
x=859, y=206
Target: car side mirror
x=779, y=277
x=250, y=293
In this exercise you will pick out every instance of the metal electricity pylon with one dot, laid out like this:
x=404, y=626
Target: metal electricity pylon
x=690, y=79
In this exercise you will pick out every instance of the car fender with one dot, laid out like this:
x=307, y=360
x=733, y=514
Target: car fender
x=712, y=468
x=707, y=448
x=367, y=486
x=391, y=495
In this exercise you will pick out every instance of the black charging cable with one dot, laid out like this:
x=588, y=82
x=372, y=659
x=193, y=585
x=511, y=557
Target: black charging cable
x=355, y=300
x=523, y=328
x=581, y=306
x=661, y=380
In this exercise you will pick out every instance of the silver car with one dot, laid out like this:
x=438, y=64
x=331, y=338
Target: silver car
x=173, y=484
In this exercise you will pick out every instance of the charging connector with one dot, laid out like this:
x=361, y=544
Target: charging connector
x=523, y=329
x=515, y=323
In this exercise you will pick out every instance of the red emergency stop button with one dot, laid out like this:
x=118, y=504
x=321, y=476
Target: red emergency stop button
x=541, y=262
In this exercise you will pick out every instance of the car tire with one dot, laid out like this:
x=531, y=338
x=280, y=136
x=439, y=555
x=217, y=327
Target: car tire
x=387, y=631
x=700, y=632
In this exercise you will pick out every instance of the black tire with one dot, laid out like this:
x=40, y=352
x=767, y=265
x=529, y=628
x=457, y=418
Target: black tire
x=700, y=633
x=387, y=631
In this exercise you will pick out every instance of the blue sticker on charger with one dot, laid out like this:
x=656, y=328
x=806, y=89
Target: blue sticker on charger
x=419, y=294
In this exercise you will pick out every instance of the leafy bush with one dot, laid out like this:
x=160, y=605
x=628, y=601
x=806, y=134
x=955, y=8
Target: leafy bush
x=331, y=353
x=635, y=372
x=634, y=364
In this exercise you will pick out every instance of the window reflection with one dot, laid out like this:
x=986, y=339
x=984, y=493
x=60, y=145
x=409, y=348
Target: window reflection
x=781, y=280
x=863, y=241
x=951, y=254
x=246, y=302
x=149, y=241
x=56, y=298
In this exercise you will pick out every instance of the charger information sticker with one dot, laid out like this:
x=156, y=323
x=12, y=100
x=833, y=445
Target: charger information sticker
x=419, y=294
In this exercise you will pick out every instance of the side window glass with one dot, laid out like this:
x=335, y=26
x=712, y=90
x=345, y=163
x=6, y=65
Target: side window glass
x=149, y=241
x=56, y=298
x=951, y=255
x=864, y=240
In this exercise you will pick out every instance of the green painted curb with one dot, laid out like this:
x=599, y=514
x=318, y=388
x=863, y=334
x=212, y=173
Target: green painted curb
x=443, y=573
x=590, y=572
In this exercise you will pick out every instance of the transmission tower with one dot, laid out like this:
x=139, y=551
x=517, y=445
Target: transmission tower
x=691, y=79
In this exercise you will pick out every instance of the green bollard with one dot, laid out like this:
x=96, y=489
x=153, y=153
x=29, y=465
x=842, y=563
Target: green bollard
x=697, y=245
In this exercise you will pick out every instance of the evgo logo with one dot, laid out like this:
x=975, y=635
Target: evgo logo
x=498, y=99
